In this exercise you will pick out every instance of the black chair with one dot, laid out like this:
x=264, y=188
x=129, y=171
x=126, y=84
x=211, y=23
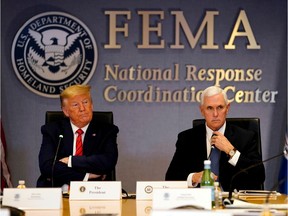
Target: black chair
x=101, y=116
x=246, y=123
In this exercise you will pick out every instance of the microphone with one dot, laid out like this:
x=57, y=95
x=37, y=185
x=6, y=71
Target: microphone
x=229, y=201
x=54, y=161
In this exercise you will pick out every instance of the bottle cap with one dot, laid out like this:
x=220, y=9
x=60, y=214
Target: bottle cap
x=22, y=182
x=207, y=162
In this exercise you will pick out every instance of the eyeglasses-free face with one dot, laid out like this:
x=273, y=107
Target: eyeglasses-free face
x=79, y=109
x=214, y=110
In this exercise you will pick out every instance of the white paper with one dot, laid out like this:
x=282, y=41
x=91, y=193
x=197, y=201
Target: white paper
x=144, y=189
x=33, y=198
x=246, y=205
x=188, y=213
x=95, y=190
x=192, y=198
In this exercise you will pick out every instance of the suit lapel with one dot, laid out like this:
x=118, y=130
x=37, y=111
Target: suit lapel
x=201, y=140
x=91, y=137
x=229, y=134
x=68, y=137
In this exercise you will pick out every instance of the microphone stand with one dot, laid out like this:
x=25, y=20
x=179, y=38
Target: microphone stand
x=54, y=161
x=246, y=169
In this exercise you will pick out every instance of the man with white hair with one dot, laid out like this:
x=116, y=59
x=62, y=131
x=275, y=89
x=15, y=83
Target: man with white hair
x=237, y=148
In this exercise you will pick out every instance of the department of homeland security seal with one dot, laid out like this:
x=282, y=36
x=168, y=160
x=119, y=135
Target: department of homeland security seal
x=52, y=51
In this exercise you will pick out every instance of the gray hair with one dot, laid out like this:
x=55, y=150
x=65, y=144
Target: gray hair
x=213, y=90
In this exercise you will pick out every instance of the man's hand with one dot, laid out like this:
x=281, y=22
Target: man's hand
x=221, y=142
x=64, y=160
x=93, y=176
x=196, y=179
x=215, y=177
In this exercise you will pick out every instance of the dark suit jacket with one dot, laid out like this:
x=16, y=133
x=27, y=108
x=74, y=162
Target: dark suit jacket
x=191, y=151
x=100, y=152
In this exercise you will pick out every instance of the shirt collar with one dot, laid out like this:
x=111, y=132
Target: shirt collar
x=209, y=132
x=75, y=128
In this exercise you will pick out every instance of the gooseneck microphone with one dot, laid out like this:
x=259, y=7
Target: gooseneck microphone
x=229, y=201
x=54, y=161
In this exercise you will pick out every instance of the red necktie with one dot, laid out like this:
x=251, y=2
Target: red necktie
x=79, y=148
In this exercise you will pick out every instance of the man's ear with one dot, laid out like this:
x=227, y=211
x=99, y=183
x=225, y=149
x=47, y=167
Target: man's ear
x=228, y=107
x=201, y=110
x=65, y=112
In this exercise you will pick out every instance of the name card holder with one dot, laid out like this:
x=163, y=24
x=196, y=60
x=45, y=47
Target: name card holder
x=95, y=190
x=197, y=198
x=33, y=198
x=144, y=189
x=4, y=212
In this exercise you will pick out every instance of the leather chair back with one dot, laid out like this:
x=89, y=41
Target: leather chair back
x=246, y=123
x=102, y=117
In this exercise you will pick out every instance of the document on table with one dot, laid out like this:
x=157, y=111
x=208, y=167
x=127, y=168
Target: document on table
x=246, y=205
x=263, y=193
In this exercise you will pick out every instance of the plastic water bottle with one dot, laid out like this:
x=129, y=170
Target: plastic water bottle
x=21, y=184
x=207, y=181
x=218, y=196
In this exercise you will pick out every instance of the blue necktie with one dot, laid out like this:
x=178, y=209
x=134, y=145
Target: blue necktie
x=215, y=157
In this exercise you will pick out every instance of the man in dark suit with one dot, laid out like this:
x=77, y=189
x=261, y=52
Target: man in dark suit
x=237, y=147
x=87, y=154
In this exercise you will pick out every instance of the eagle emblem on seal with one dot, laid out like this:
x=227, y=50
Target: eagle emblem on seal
x=53, y=49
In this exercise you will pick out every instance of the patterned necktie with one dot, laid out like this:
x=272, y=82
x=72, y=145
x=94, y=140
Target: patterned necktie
x=215, y=157
x=79, y=147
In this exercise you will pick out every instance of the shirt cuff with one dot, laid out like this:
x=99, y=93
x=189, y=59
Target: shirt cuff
x=189, y=181
x=86, y=177
x=69, y=161
x=233, y=161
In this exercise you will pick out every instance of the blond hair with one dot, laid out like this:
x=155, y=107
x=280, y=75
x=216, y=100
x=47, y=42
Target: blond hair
x=74, y=90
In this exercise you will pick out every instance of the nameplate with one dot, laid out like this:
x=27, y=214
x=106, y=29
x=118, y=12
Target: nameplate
x=144, y=189
x=95, y=190
x=4, y=212
x=33, y=198
x=101, y=207
x=192, y=198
